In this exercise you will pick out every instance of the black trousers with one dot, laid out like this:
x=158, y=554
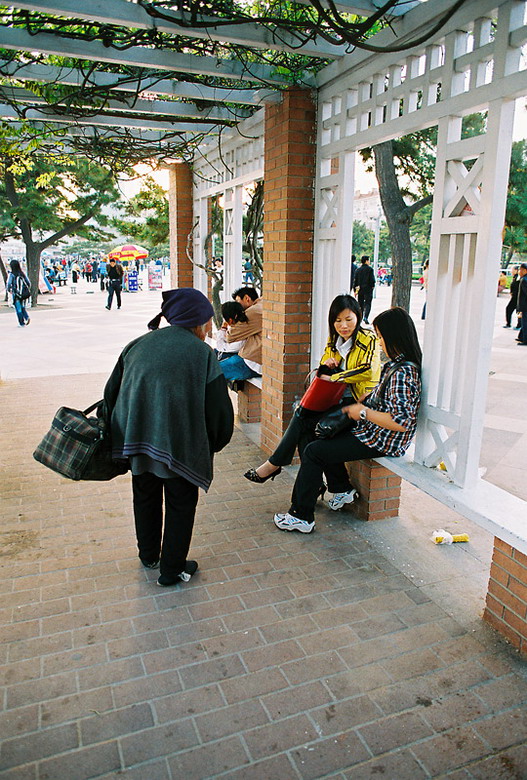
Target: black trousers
x=114, y=287
x=326, y=456
x=365, y=299
x=510, y=309
x=169, y=544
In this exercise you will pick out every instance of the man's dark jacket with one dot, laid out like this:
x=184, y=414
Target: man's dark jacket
x=364, y=278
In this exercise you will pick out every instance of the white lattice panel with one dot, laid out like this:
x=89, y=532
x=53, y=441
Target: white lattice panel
x=476, y=63
x=474, y=60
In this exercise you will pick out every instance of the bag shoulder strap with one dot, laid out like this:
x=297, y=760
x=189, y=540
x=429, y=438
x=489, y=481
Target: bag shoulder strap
x=391, y=371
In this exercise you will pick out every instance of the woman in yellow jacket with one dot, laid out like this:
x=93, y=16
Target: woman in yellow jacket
x=352, y=353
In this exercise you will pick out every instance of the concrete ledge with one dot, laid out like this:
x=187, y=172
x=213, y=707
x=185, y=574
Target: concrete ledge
x=487, y=505
x=256, y=381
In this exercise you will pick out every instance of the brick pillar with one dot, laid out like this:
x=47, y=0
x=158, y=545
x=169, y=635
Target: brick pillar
x=180, y=208
x=506, y=607
x=249, y=403
x=379, y=490
x=288, y=257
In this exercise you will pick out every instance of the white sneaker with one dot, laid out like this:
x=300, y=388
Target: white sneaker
x=287, y=522
x=339, y=499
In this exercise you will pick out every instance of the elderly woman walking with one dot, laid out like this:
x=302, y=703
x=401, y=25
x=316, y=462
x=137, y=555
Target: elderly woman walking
x=170, y=411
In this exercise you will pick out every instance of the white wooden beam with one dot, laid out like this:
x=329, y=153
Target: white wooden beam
x=159, y=108
x=149, y=83
x=126, y=14
x=138, y=56
x=42, y=115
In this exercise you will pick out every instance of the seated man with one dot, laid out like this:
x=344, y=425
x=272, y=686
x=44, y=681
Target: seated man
x=247, y=363
x=232, y=312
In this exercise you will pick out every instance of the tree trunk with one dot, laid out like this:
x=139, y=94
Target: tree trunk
x=398, y=218
x=33, y=252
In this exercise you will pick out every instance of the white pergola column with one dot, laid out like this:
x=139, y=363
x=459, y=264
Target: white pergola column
x=333, y=240
x=232, y=241
x=201, y=221
x=468, y=215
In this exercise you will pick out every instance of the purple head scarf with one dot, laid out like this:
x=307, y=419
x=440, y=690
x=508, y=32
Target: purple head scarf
x=185, y=307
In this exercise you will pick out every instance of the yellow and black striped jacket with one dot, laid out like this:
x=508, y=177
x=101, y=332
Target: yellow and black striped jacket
x=363, y=363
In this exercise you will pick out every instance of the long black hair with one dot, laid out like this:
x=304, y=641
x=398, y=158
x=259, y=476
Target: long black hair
x=338, y=304
x=399, y=334
x=16, y=268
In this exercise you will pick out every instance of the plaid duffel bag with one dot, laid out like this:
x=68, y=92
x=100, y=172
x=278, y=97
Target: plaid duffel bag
x=79, y=447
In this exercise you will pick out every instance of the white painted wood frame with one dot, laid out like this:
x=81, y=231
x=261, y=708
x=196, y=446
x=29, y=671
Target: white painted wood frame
x=475, y=64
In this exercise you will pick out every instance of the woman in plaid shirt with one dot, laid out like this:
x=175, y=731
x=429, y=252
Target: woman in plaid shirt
x=383, y=423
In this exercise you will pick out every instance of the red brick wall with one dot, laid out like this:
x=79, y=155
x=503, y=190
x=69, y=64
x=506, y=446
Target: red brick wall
x=379, y=490
x=288, y=257
x=180, y=200
x=249, y=403
x=506, y=608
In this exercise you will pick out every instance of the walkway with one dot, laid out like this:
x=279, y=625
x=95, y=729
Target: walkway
x=353, y=653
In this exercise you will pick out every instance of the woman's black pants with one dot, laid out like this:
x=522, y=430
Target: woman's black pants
x=169, y=545
x=326, y=456
x=300, y=432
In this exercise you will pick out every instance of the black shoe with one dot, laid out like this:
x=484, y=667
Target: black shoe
x=191, y=568
x=150, y=564
x=107, y=307
x=506, y=326
x=321, y=492
x=253, y=476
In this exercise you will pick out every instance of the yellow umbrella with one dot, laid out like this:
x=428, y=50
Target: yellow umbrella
x=128, y=252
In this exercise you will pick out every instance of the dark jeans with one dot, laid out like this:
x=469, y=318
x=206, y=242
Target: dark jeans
x=114, y=287
x=21, y=313
x=325, y=456
x=171, y=543
x=365, y=298
x=234, y=367
x=509, y=310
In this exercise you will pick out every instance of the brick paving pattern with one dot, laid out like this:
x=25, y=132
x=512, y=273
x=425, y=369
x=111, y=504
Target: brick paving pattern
x=288, y=656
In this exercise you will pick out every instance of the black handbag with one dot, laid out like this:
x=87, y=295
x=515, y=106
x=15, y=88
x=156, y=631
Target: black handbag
x=332, y=423
x=79, y=447
x=338, y=421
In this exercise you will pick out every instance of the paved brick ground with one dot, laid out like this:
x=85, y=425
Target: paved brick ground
x=287, y=657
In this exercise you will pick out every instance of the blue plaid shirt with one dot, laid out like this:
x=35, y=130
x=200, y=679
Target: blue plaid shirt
x=400, y=398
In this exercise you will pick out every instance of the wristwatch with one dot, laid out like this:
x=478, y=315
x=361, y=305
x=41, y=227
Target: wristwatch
x=363, y=414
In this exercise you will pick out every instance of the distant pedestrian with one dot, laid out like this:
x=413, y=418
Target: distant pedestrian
x=365, y=281
x=522, y=305
x=513, y=302
x=353, y=271
x=19, y=286
x=425, y=287
x=75, y=272
x=115, y=275
x=102, y=275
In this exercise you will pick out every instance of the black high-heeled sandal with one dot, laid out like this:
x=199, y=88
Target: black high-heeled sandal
x=253, y=476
